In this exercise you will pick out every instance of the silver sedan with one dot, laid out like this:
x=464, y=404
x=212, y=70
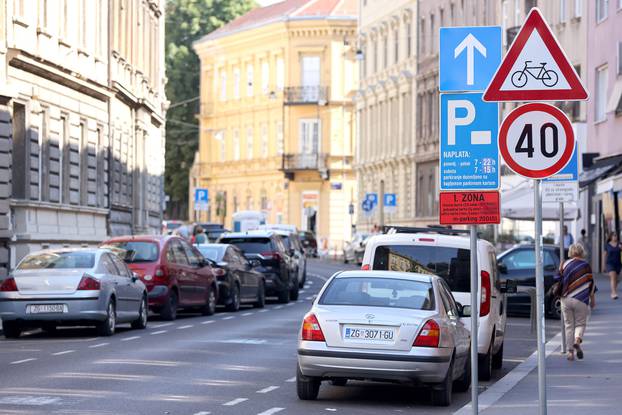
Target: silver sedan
x=72, y=287
x=385, y=326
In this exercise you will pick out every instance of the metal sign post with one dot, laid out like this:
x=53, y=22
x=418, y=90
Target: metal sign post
x=562, y=258
x=475, y=299
x=540, y=302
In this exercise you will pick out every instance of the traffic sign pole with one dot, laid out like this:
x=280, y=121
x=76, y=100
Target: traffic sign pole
x=474, y=320
x=562, y=258
x=540, y=302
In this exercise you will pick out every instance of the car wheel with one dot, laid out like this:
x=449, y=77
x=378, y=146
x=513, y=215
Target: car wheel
x=12, y=329
x=485, y=365
x=261, y=296
x=293, y=294
x=234, y=298
x=49, y=328
x=108, y=326
x=284, y=296
x=497, y=359
x=169, y=310
x=441, y=394
x=464, y=382
x=339, y=382
x=307, y=387
x=141, y=322
x=555, y=308
x=210, y=306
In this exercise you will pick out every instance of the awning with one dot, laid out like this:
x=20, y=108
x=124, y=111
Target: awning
x=600, y=169
x=518, y=204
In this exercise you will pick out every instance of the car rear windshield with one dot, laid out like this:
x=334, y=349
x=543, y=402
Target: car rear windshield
x=211, y=252
x=133, y=252
x=58, y=260
x=452, y=264
x=250, y=245
x=173, y=225
x=379, y=292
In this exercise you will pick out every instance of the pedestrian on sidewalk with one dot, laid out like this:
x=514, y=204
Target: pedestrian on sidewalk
x=577, y=297
x=613, y=262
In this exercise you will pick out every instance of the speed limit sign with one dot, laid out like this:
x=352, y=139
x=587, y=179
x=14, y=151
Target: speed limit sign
x=536, y=140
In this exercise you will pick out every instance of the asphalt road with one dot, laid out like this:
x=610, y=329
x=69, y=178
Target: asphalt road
x=230, y=363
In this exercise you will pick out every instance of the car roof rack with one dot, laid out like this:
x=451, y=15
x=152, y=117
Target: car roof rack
x=430, y=229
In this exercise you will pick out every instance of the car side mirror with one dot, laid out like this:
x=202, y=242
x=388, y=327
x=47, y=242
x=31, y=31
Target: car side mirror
x=508, y=287
x=465, y=311
x=135, y=277
x=503, y=269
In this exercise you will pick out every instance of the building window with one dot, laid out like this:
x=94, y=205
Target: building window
x=309, y=136
x=578, y=8
x=601, y=93
x=249, y=80
x=432, y=34
x=602, y=10
x=517, y=13
x=236, y=83
x=264, y=140
x=223, y=85
x=385, y=51
x=220, y=139
x=562, y=11
x=265, y=77
x=236, y=144
x=422, y=39
x=280, y=74
x=280, y=144
x=21, y=157
x=84, y=163
x=375, y=55
x=249, y=143
x=310, y=78
x=396, y=50
x=99, y=28
x=409, y=40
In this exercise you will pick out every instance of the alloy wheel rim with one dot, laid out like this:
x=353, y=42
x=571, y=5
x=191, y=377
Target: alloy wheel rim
x=143, y=313
x=111, y=317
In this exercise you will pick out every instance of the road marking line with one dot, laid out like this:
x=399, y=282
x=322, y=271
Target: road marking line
x=98, y=345
x=265, y=310
x=291, y=380
x=247, y=314
x=318, y=277
x=17, y=362
x=331, y=409
x=302, y=291
x=130, y=338
x=300, y=301
x=288, y=304
x=63, y=352
x=268, y=389
x=185, y=327
x=207, y=322
x=309, y=297
x=310, y=282
x=227, y=318
x=203, y=413
x=157, y=326
x=278, y=307
x=271, y=411
x=235, y=402
x=158, y=332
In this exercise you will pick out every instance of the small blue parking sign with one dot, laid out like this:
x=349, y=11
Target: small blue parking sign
x=373, y=199
x=469, y=57
x=201, y=199
x=469, y=150
x=390, y=202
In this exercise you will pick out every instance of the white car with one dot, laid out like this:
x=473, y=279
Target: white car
x=446, y=253
x=385, y=326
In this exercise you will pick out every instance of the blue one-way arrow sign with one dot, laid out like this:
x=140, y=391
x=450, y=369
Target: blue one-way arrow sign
x=469, y=57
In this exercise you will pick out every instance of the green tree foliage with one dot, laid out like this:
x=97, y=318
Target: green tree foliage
x=186, y=22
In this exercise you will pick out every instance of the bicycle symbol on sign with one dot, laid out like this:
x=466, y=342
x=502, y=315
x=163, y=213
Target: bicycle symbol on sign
x=547, y=76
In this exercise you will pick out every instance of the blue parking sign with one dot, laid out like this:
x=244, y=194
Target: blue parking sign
x=469, y=150
x=469, y=57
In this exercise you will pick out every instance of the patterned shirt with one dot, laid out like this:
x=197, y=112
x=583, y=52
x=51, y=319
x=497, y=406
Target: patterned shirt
x=577, y=280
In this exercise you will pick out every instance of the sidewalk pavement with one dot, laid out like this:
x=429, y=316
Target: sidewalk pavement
x=591, y=385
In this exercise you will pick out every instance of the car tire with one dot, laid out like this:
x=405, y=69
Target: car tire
x=261, y=296
x=463, y=383
x=339, y=382
x=210, y=305
x=49, y=328
x=293, y=293
x=485, y=365
x=12, y=329
x=284, y=296
x=234, y=298
x=143, y=314
x=555, y=308
x=107, y=327
x=307, y=387
x=441, y=394
x=497, y=359
x=169, y=310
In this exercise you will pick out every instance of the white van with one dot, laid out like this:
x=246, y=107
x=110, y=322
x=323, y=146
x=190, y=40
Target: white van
x=446, y=253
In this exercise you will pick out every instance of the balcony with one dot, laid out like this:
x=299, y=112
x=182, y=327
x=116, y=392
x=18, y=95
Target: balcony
x=304, y=95
x=306, y=162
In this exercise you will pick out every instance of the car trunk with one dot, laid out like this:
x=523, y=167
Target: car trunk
x=402, y=323
x=48, y=281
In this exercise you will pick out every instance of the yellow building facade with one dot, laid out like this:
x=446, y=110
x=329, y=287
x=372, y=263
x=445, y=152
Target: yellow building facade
x=276, y=122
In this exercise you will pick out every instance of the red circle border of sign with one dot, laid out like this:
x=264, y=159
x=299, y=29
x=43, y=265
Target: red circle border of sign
x=555, y=168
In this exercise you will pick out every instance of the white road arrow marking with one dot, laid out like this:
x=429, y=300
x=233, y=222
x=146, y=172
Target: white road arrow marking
x=470, y=43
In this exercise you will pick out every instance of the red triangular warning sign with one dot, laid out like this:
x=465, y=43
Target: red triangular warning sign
x=535, y=68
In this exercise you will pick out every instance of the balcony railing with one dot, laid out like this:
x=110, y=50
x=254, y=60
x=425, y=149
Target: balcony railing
x=301, y=161
x=300, y=95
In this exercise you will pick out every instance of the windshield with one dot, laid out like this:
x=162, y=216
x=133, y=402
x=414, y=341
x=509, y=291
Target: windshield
x=452, y=264
x=135, y=251
x=250, y=245
x=211, y=252
x=58, y=260
x=379, y=292
x=173, y=225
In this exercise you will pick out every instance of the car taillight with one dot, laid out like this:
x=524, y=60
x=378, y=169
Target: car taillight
x=8, y=285
x=365, y=267
x=89, y=283
x=484, y=307
x=272, y=255
x=429, y=335
x=311, y=329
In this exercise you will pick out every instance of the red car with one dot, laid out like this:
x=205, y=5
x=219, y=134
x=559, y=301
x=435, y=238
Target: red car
x=175, y=273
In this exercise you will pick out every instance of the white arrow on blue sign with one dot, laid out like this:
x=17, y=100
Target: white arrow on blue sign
x=469, y=57
x=469, y=150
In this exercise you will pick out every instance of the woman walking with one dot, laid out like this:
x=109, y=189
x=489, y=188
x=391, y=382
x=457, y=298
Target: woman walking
x=613, y=263
x=577, y=296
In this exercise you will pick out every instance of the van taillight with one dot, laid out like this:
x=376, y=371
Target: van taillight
x=271, y=255
x=8, y=285
x=485, y=300
x=429, y=336
x=89, y=283
x=365, y=267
